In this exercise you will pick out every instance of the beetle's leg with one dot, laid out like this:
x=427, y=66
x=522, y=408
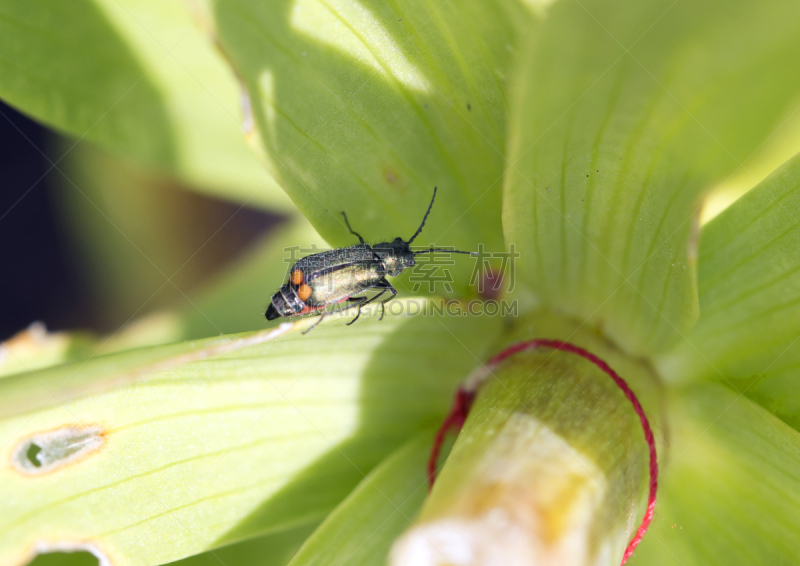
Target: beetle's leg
x=359, y=301
x=356, y=300
x=384, y=286
x=353, y=232
x=321, y=315
x=364, y=301
x=387, y=287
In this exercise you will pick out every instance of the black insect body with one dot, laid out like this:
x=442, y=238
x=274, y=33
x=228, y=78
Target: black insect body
x=327, y=278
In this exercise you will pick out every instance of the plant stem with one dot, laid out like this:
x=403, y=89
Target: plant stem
x=550, y=468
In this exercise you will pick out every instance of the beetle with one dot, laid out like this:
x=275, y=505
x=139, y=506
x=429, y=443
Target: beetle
x=327, y=278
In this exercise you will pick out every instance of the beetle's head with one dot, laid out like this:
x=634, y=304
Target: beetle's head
x=395, y=255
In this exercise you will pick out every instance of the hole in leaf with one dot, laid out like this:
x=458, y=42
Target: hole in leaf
x=33, y=454
x=68, y=553
x=65, y=559
x=46, y=451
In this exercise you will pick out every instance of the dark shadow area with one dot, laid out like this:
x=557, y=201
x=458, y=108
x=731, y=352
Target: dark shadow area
x=38, y=280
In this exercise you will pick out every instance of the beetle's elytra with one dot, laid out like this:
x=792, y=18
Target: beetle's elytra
x=320, y=280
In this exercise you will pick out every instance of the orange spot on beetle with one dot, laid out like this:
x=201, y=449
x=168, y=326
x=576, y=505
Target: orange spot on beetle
x=296, y=277
x=304, y=292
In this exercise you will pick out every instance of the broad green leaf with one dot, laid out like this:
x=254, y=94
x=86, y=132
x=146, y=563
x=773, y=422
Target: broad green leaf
x=362, y=528
x=205, y=443
x=35, y=348
x=31, y=390
x=730, y=492
x=623, y=113
x=364, y=107
x=749, y=282
x=137, y=77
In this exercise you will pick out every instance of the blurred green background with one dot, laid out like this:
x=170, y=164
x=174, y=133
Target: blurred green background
x=98, y=257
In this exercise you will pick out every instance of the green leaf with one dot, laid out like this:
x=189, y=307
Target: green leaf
x=274, y=549
x=366, y=106
x=623, y=113
x=749, y=282
x=782, y=145
x=139, y=78
x=269, y=550
x=35, y=348
x=160, y=453
x=362, y=528
x=730, y=492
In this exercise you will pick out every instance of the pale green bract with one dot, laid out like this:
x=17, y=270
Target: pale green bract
x=625, y=112
x=365, y=107
x=584, y=133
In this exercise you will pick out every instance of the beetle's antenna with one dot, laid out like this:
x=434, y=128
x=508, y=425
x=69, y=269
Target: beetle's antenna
x=431, y=250
x=445, y=250
x=424, y=218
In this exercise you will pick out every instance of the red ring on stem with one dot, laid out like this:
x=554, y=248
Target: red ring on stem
x=464, y=398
